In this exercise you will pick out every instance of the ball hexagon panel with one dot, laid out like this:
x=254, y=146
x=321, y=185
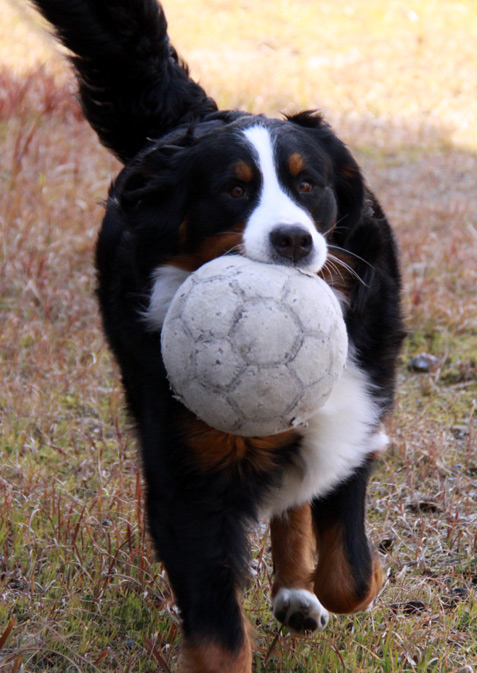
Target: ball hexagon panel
x=265, y=333
x=203, y=315
x=217, y=363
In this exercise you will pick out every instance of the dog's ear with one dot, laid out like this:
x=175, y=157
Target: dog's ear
x=160, y=169
x=149, y=179
x=146, y=205
x=348, y=180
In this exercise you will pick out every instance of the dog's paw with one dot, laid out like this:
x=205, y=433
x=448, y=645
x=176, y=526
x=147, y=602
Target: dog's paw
x=300, y=611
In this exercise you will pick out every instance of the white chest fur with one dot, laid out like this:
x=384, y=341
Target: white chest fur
x=335, y=442
x=167, y=280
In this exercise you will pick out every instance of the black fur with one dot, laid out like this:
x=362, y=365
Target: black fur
x=179, y=151
x=132, y=84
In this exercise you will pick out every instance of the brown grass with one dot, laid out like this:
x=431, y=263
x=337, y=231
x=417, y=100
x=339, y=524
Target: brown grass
x=79, y=587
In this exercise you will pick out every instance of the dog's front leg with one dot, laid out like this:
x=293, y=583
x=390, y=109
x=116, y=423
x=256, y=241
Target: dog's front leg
x=203, y=547
x=204, y=655
x=348, y=576
x=294, y=550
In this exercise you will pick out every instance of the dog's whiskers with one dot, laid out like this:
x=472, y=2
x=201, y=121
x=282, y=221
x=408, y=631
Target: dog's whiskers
x=235, y=248
x=351, y=254
x=334, y=268
x=334, y=263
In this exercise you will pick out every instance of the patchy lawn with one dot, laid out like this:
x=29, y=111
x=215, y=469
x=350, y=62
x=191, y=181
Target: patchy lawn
x=79, y=585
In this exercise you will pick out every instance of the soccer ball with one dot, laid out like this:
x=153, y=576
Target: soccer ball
x=253, y=349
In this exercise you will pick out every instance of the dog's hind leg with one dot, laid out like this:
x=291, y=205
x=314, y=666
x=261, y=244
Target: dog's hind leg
x=293, y=550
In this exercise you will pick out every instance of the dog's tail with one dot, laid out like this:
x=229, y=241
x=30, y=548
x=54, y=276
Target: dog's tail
x=132, y=84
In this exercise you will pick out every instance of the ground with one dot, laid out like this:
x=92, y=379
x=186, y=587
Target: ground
x=79, y=585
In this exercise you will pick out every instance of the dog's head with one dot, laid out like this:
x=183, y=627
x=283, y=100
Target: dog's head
x=273, y=190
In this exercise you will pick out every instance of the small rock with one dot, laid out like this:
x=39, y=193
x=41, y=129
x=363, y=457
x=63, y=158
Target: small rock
x=386, y=545
x=424, y=506
x=460, y=431
x=409, y=607
x=423, y=363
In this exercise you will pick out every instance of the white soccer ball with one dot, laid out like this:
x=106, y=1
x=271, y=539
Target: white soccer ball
x=253, y=349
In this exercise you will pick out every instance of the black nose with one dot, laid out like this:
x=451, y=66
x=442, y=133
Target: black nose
x=291, y=242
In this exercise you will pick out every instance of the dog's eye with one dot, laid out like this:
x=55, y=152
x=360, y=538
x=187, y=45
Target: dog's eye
x=305, y=186
x=237, y=191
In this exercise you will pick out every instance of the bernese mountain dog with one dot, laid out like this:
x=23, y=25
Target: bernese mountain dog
x=199, y=182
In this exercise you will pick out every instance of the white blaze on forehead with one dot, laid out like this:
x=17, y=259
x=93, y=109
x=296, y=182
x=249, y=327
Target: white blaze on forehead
x=275, y=207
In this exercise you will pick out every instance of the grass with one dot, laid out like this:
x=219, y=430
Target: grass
x=80, y=590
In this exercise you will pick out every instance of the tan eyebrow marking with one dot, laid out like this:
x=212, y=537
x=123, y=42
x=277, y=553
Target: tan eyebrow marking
x=243, y=171
x=296, y=164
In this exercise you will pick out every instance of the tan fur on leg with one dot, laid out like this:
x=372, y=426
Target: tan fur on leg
x=293, y=549
x=206, y=656
x=335, y=584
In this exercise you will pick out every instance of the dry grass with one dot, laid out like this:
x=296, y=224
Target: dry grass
x=80, y=590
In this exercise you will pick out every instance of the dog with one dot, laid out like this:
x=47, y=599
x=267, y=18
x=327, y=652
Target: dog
x=197, y=183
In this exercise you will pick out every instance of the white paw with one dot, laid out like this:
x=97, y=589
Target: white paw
x=300, y=611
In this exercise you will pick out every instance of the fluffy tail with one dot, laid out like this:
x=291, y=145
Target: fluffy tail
x=132, y=84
